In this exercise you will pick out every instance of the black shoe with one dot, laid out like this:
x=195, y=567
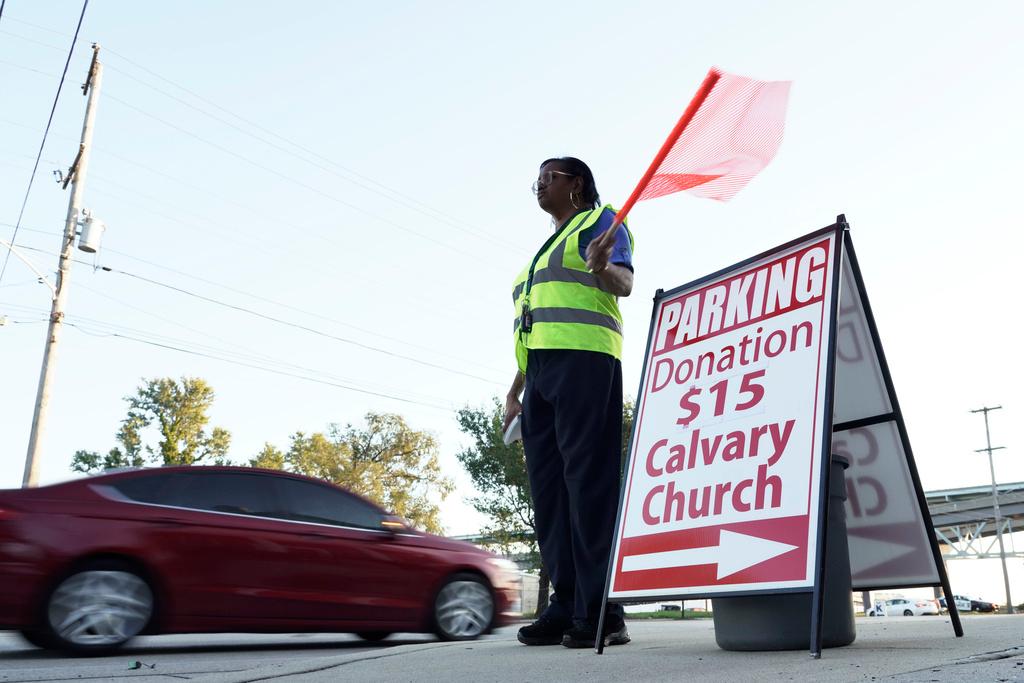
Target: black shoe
x=584, y=634
x=544, y=631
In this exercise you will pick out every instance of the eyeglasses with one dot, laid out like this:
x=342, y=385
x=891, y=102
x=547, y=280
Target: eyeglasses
x=546, y=178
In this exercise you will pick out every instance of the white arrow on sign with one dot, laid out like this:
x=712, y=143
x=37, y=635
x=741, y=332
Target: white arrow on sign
x=733, y=553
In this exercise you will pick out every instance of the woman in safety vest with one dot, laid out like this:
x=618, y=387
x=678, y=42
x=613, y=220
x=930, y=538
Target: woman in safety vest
x=568, y=342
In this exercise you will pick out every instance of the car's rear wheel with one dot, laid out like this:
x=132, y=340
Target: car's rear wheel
x=908, y=613
x=373, y=636
x=463, y=608
x=98, y=608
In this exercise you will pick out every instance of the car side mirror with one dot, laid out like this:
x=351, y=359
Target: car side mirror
x=392, y=523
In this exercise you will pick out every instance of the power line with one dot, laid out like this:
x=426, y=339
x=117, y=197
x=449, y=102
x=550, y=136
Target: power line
x=40, y=27
x=295, y=181
x=281, y=321
x=247, y=359
x=400, y=199
x=258, y=367
x=46, y=132
x=305, y=328
x=239, y=117
x=18, y=284
x=264, y=299
x=244, y=243
x=33, y=40
x=26, y=68
x=209, y=228
x=239, y=352
x=252, y=355
x=296, y=309
x=266, y=130
x=283, y=176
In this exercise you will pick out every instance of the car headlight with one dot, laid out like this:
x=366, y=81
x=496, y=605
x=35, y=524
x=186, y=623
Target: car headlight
x=502, y=563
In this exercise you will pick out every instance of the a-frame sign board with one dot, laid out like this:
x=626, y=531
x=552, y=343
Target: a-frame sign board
x=753, y=377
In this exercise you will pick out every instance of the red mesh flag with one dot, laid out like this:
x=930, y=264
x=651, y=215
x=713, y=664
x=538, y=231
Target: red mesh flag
x=728, y=133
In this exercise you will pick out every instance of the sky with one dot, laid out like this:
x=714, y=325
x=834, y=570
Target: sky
x=361, y=171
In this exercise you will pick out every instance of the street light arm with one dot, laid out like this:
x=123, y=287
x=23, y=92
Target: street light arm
x=42, y=278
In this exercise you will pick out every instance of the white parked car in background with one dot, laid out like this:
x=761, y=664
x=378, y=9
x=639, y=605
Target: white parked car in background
x=897, y=607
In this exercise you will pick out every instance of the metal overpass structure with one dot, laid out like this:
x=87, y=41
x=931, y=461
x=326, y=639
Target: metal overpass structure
x=965, y=524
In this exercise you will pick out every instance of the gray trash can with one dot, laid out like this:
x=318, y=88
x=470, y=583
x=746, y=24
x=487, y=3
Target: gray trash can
x=783, y=622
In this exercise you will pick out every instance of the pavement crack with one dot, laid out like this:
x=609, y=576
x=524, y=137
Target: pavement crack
x=395, y=652
x=995, y=655
x=992, y=656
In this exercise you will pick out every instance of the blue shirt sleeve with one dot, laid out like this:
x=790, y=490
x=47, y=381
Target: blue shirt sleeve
x=622, y=252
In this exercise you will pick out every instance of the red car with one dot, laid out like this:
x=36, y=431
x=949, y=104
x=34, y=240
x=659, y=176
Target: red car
x=88, y=564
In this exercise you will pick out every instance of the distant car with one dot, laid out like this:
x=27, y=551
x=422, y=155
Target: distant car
x=89, y=564
x=903, y=607
x=965, y=604
x=983, y=606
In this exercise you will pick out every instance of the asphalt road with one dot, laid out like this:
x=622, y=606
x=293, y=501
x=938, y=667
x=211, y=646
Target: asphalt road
x=904, y=649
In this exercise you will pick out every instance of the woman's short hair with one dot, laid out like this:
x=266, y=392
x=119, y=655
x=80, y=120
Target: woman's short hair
x=590, y=197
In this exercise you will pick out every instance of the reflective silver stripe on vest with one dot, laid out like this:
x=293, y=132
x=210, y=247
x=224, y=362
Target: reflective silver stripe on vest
x=557, y=272
x=515, y=327
x=517, y=291
x=575, y=315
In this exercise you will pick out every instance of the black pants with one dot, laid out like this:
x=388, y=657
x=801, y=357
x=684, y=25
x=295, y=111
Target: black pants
x=572, y=435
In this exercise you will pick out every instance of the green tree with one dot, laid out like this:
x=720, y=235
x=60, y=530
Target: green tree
x=500, y=478
x=270, y=458
x=178, y=412
x=385, y=460
x=628, y=411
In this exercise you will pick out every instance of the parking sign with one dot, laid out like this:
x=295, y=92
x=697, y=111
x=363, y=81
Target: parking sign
x=724, y=483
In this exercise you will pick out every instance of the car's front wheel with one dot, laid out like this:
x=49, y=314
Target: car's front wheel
x=908, y=613
x=463, y=608
x=98, y=609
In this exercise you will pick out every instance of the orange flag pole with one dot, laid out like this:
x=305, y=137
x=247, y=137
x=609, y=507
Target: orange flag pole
x=684, y=120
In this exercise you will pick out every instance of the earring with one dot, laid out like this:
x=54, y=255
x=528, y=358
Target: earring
x=573, y=200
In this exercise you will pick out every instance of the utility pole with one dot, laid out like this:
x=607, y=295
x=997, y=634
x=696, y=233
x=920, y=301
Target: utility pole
x=995, y=503
x=76, y=176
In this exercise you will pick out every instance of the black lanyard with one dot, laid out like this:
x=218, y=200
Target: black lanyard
x=547, y=244
x=526, y=320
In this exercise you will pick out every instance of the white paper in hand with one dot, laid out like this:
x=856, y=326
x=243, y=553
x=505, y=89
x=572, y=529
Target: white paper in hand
x=514, y=432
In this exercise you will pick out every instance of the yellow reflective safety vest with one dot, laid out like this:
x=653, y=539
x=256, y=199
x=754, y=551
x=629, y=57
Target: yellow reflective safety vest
x=563, y=304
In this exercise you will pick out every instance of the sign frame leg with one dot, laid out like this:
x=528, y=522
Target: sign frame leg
x=818, y=596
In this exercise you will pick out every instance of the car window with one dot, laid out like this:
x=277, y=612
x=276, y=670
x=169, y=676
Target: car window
x=305, y=501
x=146, y=488
x=238, y=493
